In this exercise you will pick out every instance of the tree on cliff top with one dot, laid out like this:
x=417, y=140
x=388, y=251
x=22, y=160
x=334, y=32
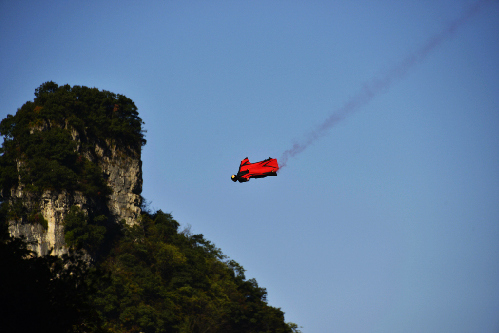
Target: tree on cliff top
x=40, y=149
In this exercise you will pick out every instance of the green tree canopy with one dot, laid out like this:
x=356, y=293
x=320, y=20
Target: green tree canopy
x=162, y=280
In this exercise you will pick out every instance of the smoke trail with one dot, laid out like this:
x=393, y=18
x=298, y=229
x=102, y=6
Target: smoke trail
x=377, y=85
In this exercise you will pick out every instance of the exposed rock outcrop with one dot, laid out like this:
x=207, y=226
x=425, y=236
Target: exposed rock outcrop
x=53, y=206
x=123, y=172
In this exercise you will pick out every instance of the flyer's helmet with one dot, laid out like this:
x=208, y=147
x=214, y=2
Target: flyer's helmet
x=233, y=177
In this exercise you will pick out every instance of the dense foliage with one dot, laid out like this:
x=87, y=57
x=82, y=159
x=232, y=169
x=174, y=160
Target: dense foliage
x=39, y=147
x=82, y=232
x=162, y=280
x=155, y=279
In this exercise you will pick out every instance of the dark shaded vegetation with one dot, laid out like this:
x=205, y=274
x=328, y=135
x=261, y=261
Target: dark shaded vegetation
x=146, y=277
x=83, y=232
x=45, y=294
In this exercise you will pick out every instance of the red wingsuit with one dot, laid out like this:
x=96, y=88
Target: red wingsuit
x=261, y=169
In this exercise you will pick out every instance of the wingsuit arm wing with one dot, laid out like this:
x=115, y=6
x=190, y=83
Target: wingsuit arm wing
x=243, y=163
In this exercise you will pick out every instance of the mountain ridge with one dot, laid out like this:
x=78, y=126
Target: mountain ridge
x=70, y=185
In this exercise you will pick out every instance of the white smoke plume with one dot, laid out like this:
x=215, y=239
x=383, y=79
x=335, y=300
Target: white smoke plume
x=380, y=84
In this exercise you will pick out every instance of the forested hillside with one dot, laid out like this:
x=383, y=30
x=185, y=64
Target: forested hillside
x=146, y=275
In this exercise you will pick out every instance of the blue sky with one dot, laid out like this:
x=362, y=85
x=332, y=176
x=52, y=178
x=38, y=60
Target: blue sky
x=389, y=222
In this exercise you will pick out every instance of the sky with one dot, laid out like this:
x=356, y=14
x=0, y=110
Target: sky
x=385, y=217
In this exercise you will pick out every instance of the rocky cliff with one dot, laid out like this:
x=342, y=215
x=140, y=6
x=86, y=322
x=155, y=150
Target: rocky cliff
x=123, y=174
x=70, y=147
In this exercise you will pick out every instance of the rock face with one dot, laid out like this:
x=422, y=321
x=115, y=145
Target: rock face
x=53, y=207
x=122, y=170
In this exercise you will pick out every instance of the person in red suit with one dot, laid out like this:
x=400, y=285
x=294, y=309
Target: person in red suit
x=260, y=169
